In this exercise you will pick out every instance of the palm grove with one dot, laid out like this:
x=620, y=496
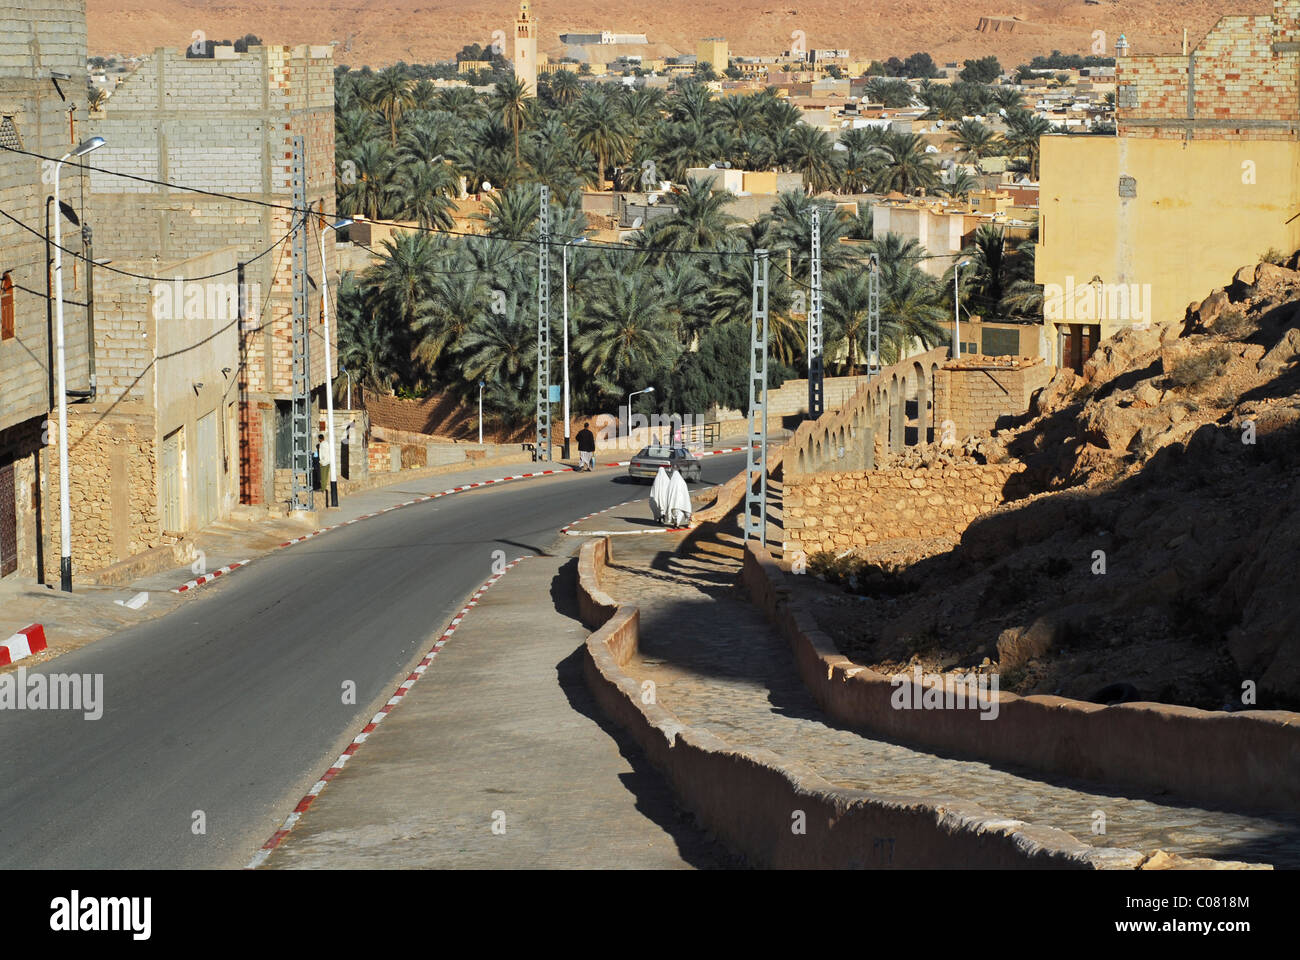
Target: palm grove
x=443, y=311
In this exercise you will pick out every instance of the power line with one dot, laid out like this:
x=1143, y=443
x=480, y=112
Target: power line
x=139, y=276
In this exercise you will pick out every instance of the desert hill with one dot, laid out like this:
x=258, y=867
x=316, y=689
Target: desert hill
x=1172, y=460
x=427, y=30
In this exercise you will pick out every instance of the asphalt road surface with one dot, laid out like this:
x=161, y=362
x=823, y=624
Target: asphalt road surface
x=224, y=712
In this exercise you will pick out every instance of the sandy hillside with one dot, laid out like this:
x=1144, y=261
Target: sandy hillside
x=427, y=30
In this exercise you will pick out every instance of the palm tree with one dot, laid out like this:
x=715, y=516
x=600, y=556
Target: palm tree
x=366, y=343
x=513, y=212
x=846, y=305
x=1023, y=138
x=565, y=87
x=892, y=93
x=425, y=193
x=700, y=221
x=960, y=183
x=630, y=333
x=912, y=311
x=974, y=140
x=371, y=193
x=908, y=167
x=512, y=99
x=810, y=153
x=862, y=158
x=599, y=127
x=390, y=92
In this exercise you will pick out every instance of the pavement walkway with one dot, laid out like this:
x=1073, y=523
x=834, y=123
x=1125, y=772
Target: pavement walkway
x=500, y=732
x=718, y=663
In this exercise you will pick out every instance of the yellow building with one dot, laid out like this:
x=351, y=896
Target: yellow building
x=1133, y=230
x=1203, y=179
x=713, y=50
x=526, y=48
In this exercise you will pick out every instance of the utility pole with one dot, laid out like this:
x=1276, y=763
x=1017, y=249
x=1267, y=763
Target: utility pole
x=301, y=410
x=756, y=466
x=543, y=444
x=816, y=383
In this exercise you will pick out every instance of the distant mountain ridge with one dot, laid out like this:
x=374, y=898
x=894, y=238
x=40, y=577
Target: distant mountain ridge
x=427, y=30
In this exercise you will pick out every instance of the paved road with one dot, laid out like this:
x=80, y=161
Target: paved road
x=229, y=708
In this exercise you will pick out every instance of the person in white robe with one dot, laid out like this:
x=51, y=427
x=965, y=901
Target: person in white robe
x=659, y=495
x=679, y=501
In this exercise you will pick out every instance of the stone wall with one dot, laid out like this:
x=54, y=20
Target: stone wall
x=840, y=511
x=974, y=393
x=112, y=487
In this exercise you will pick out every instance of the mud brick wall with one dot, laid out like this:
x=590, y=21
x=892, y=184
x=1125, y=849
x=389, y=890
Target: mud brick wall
x=974, y=396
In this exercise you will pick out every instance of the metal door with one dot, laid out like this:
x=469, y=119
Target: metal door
x=8, y=518
x=169, y=482
x=207, y=463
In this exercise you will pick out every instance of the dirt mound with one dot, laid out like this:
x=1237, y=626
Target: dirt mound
x=1159, y=558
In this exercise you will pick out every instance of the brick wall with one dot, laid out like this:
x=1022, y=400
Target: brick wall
x=840, y=511
x=1237, y=83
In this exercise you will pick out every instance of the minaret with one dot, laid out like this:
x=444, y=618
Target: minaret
x=526, y=48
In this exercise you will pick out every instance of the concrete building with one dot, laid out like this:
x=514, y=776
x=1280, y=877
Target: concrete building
x=227, y=126
x=41, y=39
x=1202, y=179
x=526, y=48
x=713, y=51
x=155, y=454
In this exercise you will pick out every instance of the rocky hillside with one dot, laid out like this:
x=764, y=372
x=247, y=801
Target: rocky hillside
x=1160, y=560
x=426, y=30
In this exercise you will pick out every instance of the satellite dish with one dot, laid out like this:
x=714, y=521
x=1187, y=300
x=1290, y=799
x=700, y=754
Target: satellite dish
x=636, y=224
x=487, y=187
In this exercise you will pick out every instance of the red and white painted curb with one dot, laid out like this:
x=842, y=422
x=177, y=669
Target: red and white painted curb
x=336, y=768
x=209, y=577
x=566, y=527
x=22, y=644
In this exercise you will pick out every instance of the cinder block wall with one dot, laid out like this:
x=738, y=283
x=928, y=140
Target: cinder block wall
x=973, y=396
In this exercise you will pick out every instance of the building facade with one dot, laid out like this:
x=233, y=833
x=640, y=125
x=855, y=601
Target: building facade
x=227, y=126
x=1202, y=179
x=42, y=103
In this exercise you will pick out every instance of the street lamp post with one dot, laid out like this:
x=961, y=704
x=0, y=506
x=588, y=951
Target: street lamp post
x=480, y=413
x=65, y=528
x=956, y=309
x=564, y=271
x=329, y=367
x=634, y=393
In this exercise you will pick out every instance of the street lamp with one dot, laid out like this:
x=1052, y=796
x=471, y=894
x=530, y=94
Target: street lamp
x=564, y=269
x=329, y=367
x=65, y=529
x=956, y=310
x=480, y=412
x=629, y=406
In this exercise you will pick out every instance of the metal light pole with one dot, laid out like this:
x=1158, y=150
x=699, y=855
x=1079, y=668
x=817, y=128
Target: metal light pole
x=329, y=366
x=634, y=393
x=956, y=309
x=65, y=527
x=480, y=412
x=564, y=271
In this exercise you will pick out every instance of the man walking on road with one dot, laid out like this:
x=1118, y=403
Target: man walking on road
x=586, y=448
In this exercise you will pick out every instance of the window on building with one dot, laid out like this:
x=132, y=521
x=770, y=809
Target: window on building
x=7, y=306
x=1000, y=343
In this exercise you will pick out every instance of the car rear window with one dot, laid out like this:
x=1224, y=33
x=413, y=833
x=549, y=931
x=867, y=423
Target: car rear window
x=659, y=453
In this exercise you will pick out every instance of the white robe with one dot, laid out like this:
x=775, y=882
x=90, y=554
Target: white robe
x=659, y=495
x=678, y=513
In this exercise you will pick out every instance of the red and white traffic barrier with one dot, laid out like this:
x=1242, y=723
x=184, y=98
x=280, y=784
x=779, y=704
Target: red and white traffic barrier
x=22, y=644
x=337, y=766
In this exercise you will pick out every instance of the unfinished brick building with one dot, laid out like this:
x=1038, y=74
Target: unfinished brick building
x=226, y=124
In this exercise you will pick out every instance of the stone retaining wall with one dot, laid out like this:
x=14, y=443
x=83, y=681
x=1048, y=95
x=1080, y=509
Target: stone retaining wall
x=752, y=799
x=838, y=511
x=1246, y=759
